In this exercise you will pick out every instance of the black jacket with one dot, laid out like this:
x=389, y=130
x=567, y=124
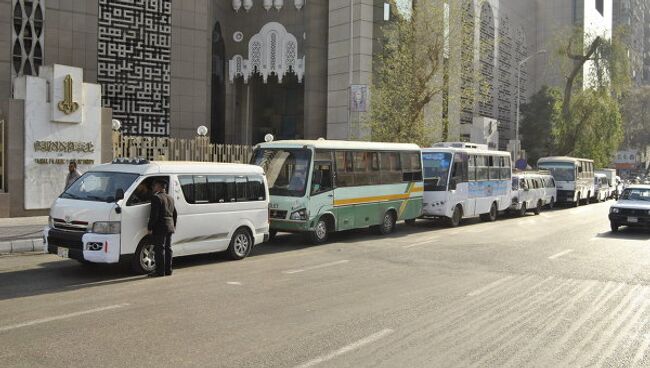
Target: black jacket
x=163, y=214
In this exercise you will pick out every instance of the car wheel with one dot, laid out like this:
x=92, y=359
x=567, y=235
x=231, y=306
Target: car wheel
x=614, y=226
x=456, y=217
x=320, y=232
x=144, y=259
x=241, y=244
x=538, y=208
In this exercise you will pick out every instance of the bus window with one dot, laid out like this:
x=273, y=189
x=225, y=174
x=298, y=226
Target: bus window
x=515, y=184
x=361, y=166
x=411, y=166
x=494, y=171
x=482, y=168
x=321, y=180
x=344, y=169
x=471, y=168
x=458, y=172
x=504, y=164
x=391, y=170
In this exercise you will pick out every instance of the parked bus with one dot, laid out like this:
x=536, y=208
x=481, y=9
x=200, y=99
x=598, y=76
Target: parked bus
x=320, y=186
x=463, y=180
x=574, y=178
x=102, y=217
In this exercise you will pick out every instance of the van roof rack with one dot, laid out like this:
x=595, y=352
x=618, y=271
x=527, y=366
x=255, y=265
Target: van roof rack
x=130, y=161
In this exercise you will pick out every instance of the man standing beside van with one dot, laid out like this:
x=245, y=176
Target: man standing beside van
x=162, y=223
x=73, y=174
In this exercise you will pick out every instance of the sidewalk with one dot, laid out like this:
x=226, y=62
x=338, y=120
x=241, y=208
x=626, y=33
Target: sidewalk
x=22, y=234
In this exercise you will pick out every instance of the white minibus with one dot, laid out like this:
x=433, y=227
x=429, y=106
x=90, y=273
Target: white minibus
x=574, y=177
x=465, y=180
x=528, y=193
x=550, y=191
x=102, y=217
x=602, y=190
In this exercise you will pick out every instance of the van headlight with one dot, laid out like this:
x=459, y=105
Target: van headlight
x=106, y=227
x=614, y=210
x=300, y=215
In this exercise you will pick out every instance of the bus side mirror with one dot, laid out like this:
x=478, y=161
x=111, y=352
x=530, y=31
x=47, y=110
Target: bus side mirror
x=119, y=194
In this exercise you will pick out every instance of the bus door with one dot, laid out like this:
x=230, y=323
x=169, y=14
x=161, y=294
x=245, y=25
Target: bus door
x=458, y=183
x=321, y=189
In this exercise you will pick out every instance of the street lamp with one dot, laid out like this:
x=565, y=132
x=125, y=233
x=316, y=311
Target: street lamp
x=517, y=142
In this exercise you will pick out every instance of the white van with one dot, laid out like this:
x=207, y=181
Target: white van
x=602, y=190
x=528, y=193
x=550, y=190
x=102, y=217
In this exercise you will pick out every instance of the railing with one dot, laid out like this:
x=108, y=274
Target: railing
x=2, y=155
x=174, y=149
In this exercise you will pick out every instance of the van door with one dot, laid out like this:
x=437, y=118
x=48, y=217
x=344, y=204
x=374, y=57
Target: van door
x=321, y=189
x=135, y=214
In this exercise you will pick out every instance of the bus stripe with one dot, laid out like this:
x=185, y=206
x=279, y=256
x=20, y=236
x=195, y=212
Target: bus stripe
x=381, y=198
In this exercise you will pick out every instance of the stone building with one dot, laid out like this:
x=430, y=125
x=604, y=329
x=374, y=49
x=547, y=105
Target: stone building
x=633, y=17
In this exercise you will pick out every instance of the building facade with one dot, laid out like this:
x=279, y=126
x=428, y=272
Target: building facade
x=292, y=68
x=633, y=18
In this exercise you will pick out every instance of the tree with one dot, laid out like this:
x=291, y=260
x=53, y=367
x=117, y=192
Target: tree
x=412, y=72
x=636, y=118
x=537, y=117
x=591, y=107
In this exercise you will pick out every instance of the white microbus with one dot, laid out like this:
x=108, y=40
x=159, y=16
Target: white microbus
x=102, y=217
x=462, y=181
x=574, y=178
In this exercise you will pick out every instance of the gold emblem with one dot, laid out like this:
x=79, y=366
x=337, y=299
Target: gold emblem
x=67, y=106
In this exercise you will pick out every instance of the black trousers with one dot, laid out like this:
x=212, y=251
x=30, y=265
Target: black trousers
x=162, y=245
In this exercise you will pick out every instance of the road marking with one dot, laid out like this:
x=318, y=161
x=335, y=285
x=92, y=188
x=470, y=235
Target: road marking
x=558, y=255
x=489, y=286
x=316, y=267
x=346, y=349
x=64, y=316
x=233, y=283
x=420, y=243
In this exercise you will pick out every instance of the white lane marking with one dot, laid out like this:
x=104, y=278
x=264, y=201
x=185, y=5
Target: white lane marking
x=348, y=348
x=558, y=255
x=233, y=283
x=316, y=267
x=64, y=316
x=489, y=286
x=420, y=243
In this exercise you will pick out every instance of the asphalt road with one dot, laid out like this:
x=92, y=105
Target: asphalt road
x=552, y=290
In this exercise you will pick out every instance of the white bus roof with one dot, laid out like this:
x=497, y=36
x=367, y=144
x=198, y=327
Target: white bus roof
x=342, y=145
x=466, y=150
x=562, y=159
x=180, y=167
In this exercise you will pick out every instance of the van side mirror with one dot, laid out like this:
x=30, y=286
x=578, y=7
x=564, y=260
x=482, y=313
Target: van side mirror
x=119, y=194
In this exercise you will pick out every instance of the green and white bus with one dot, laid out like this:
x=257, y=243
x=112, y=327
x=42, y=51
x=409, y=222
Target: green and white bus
x=321, y=186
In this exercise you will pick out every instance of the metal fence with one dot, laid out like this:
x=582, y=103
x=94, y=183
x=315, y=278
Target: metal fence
x=2, y=154
x=174, y=149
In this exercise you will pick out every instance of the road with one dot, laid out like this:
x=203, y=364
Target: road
x=556, y=289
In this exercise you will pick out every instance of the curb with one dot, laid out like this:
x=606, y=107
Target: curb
x=21, y=246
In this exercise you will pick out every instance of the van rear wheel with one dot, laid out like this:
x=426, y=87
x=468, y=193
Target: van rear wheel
x=538, y=208
x=522, y=210
x=241, y=244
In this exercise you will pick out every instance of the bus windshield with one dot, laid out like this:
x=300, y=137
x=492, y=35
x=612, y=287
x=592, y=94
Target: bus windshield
x=561, y=171
x=436, y=170
x=286, y=169
x=99, y=186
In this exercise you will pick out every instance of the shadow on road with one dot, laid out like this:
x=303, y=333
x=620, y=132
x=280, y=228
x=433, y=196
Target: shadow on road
x=627, y=233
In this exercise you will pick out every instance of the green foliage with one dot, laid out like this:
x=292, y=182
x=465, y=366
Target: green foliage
x=404, y=84
x=537, y=117
x=595, y=128
x=636, y=117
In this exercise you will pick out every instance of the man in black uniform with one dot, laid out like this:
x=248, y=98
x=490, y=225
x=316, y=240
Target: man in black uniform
x=162, y=223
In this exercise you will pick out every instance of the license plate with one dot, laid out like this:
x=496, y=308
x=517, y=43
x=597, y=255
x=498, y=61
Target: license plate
x=62, y=252
x=633, y=219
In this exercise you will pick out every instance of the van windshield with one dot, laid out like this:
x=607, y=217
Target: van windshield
x=559, y=170
x=286, y=170
x=99, y=186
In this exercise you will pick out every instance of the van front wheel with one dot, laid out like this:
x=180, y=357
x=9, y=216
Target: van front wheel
x=144, y=260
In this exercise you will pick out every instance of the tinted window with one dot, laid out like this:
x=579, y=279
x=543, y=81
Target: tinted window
x=187, y=185
x=361, y=168
x=218, y=189
x=391, y=169
x=411, y=166
x=344, y=169
x=256, y=190
x=201, y=189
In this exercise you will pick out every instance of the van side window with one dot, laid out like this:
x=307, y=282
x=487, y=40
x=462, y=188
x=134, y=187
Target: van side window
x=143, y=192
x=201, y=189
x=256, y=191
x=187, y=185
x=218, y=189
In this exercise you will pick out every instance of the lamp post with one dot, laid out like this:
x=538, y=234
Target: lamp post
x=517, y=142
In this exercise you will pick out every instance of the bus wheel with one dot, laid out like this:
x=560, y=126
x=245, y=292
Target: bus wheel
x=387, y=225
x=240, y=244
x=454, y=221
x=320, y=232
x=144, y=260
x=538, y=208
x=522, y=210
